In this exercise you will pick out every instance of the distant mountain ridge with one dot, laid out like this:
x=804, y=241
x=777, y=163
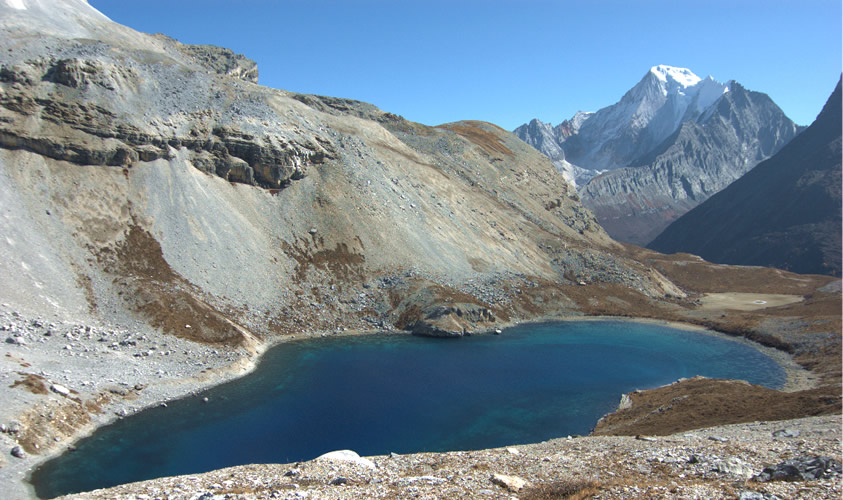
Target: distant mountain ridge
x=672, y=141
x=784, y=213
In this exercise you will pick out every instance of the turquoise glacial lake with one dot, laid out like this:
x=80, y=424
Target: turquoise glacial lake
x=397, y=393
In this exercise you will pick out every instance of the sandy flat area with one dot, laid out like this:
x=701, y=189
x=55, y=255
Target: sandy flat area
x=746, y=301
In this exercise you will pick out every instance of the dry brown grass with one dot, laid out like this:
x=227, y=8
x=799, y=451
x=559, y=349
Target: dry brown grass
x=692, y=273
x=44, y=422
x=344, y=264
x=572, y=489
x=31, y=382
x=488, y=141
x=699, y=403
x=155, y=291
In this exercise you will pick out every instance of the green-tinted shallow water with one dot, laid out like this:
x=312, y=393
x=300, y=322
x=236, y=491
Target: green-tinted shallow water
x=381, y=394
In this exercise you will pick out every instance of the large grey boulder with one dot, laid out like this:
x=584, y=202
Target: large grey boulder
x=802, y=469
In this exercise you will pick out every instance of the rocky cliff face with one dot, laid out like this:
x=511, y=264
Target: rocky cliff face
x=547, y=139
x=671, y=142
x=784, y=213
x=218, y=59
x=91, y=110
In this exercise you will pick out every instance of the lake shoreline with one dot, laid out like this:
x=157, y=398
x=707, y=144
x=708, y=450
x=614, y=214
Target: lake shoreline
x=615, y=467
x=797, y=378
x=243, y=367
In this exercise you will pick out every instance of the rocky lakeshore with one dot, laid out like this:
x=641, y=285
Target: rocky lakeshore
x=736, y=461
x=67, y=379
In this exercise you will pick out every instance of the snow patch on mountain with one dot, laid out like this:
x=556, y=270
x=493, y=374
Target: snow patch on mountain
x=16, y=4
x=646, y=115
x=617, y=136
x=681, y=77
x=578, y=119
x=69, y=19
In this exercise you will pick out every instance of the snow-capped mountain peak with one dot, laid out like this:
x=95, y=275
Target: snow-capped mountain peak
x=646, y=115
x=67, y=19
x=672, y=76
x=579, y=118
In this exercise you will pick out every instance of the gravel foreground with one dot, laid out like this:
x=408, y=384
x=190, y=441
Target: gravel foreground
x=719, y=462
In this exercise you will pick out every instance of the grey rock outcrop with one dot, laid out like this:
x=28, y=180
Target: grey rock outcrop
x=802, y=469
x=786, y=433
x=86, y=123
x=60, y=390
x=754, y=495
x=733, y=466
x=219, y=60
x=453, y=320
x=511, y=483
x=347, y=456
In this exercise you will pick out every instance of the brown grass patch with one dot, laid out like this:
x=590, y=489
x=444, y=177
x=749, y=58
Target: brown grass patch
x=573, y=489
x=697, y=403
x=41, y=424
x=167, y=300
x=32, y=383
x=692, y=273
x=488, y=141
x=613, y=299
x=341, y=262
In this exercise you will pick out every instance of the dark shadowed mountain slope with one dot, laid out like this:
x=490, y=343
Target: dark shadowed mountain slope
x=784, y=213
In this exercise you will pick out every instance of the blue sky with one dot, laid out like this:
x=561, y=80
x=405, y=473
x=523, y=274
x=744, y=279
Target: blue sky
x=509, y=61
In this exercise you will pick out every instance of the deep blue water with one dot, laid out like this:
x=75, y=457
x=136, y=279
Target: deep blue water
x=396, y=393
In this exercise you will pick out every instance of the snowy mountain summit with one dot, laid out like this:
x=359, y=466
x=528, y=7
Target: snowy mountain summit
x=645, y=116
x=671, y=141
x=682, y=77
x=687, y=95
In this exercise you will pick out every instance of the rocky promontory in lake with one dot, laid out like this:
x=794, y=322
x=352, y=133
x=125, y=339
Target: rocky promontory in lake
x=165, y=219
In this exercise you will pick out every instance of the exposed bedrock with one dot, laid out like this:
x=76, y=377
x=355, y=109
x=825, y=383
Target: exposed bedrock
x=55, y=107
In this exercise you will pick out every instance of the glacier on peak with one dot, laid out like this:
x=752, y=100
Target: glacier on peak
x=681, y=76
x=16, y=4
x=647, y=114
x=579, y=118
